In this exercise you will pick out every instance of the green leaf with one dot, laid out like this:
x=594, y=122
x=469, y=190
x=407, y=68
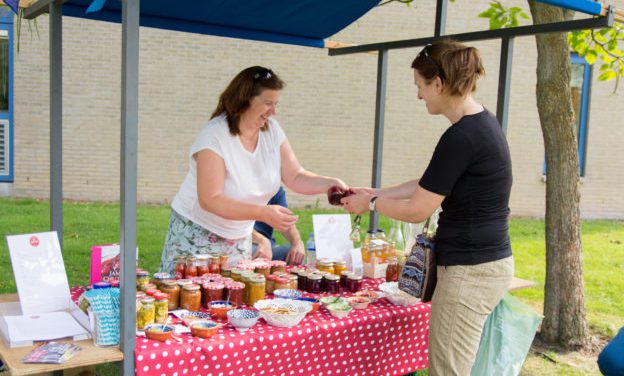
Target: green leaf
x=590, y=57
x=607, y=76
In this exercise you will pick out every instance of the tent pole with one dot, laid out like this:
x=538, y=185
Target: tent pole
x=504, y=82
x=129, y=146
x=380, y=109
x=440, y=22
x=56, y=119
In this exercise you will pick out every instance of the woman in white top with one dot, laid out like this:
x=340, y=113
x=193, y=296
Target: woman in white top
x=237, y=163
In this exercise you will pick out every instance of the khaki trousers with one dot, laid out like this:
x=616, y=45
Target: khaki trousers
x=464, y=296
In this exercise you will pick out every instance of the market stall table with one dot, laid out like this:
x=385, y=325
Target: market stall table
x=383, y=339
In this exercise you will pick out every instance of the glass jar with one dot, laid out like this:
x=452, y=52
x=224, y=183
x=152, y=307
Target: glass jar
x=343, y=279
x=223, y=260
x=339, y=267
x=263, y=268
x=212, y=291
x=145, y=314
x=354, y=283
x=331, y=284
x=226, y=271
x=202, y=264
x=245, y=276
x=392, y=271
x=281, y=283
x=161, y=308
x=270, y=283
x=235, y=293
x=159, y=277
x=214, y=266
x=278, y=266
x=296, y=271
x=302, y=279
x=191, y=267
x=180, y=268
x=326, y=266
x=190, y=298
x=256, y=289
x=151, y=292
x=142, y=279
x=292, y=281
x=139, y=296
x=172, y=290
x=149, y=286
x=313, y=284
x=235, y=274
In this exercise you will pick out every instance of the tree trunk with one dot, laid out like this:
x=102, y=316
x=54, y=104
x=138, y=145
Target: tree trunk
x=564, y=312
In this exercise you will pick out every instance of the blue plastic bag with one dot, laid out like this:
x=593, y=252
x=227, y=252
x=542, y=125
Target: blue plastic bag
x=506, y=339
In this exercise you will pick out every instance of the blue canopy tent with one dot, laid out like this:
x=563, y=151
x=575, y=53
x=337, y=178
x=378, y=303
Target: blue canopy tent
x=297, y=22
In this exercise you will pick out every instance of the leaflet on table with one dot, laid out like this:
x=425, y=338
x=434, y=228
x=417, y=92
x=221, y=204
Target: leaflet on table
x=106, y=262
x=331, y=236
x=39, y=272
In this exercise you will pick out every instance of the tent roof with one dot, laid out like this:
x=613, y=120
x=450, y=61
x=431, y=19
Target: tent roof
x=300, y=22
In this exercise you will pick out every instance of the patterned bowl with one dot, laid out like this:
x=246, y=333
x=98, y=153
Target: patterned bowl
x=283, y=313
x=339, y=310
x=287, y=293
x=159, y=332
x=243, y=319
x=219, y=309
x=190, y=317
x=204, y=329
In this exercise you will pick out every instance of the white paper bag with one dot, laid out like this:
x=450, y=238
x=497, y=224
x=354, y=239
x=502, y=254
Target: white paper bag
x=331, y=235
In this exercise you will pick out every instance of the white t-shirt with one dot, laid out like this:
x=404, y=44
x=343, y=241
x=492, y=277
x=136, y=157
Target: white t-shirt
x=250, y=177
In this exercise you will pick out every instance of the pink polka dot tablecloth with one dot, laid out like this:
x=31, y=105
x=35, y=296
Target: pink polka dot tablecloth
x=382, y=339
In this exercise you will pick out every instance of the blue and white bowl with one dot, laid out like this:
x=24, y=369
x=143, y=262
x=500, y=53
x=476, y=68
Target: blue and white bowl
x=243, y=319
x=287, y=293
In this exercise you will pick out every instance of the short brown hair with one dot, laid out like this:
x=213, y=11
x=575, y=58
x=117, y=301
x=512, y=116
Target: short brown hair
x=458, y=66
x=236, y=97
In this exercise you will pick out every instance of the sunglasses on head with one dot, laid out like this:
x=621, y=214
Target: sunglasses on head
x=425, y=52
x=263, y=74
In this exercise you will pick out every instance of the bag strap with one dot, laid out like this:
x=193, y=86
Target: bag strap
x=425, y=230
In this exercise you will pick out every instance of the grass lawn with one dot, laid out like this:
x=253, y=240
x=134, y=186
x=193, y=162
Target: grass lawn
x=87, y=224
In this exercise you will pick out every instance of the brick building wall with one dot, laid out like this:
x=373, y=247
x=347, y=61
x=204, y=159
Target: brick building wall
x=327, y=109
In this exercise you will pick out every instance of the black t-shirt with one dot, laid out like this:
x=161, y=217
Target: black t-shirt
x=471, y=167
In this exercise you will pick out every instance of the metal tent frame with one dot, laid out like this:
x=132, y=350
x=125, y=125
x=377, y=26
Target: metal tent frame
x=131, y=18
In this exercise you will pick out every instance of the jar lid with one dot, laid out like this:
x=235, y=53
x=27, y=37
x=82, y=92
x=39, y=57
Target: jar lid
x=213, y=286
x=140, y=295
x=183, y=282
x=292, y=277
x=281, y=280
x=326, y=263
x=346, y=273
x=278, y=263
x=191, y=258
x=203, y=256
x=331, y=277
x=161, y=276
x=314, y=276
x=152, y=292
x=296, y=271
x=180, y=257
x=142, y=273
x=271, y=277
x=355, y=277
x=303, y=273
x=161, y=296
x=257, y=279
x=147, y=300
x=169, y=283
x=191, y=287
x=236, y=271
x=341, y=263
x=235, y=285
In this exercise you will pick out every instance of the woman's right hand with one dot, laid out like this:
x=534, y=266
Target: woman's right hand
x=279, y=217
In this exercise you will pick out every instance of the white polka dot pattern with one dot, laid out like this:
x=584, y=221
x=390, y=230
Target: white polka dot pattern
x=383, y=339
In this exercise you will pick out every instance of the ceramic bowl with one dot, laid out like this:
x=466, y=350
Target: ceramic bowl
x=372, y=295
x=327, y=300
x=219, y=308
x=339, y=310
x=190, y=317
x=204, y=329
x=159, y=332
x=287, y=293
x=243, y=319
x=283, y=313
x=316, y=304
x=359, y=302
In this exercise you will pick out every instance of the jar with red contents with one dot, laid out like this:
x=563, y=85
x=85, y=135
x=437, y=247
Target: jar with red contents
x=302, y=279
x=354, y=283
x=180, y=268
x=392, y=271
x=313, y=283
x=191, y=267
x=202, y=264
x=234, y=293
x=344, y=276
x=214, y=266
x=331, y=284
x=212, y=291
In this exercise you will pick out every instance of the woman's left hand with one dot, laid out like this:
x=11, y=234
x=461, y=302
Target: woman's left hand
x=357, y=203
x=295, y=254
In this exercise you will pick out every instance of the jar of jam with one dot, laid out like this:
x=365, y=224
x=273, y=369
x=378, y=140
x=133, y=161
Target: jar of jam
x=191, y=267
x=159, y=277
x=281, y=283
x=190, y=298
x=256, y=289
x=202, y=264
x=235, y=293
x=151, y=292
x=292, y=281
x=245, y=276
x=278, y=266
x=172, y=290
x=339, y=267
x=235, y=274
x=302, y=279
x=145, y=314
x=326, y=266
x=161, y=308
x=332, y=283
x=180, y=268
x=223, y=260
x=263, y=268
x=212, y=291
x=214, y=266
x=296, y=271
x=226, y=271
x=343, y=279
x=149, y=286
x=142, y=279
x=392, y=271
x=270, y=283
x=313, y=284
x=354, y=283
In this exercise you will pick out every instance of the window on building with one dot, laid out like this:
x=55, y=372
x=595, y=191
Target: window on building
x=580, y=80
x=6, y=115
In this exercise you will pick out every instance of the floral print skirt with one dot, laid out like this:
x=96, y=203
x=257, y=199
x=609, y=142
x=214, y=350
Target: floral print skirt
x=186, y=238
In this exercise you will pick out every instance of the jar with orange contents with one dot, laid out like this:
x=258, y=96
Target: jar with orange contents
x=256, y=289
x=214, y=266
x=339, y=267
x=326, y=266
x=392, y=271
x=191, y=267
x=190, y=298
x=172, y=290
x=180, y=267
x=202, y=264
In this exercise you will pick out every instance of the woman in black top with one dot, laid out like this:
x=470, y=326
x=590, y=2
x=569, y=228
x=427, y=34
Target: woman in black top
x=469, y=176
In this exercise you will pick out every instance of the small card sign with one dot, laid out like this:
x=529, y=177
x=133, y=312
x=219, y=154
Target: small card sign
x=331, y=235
x=39, y=272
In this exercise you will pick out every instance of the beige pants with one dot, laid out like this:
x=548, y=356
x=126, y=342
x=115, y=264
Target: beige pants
x=464, y=296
